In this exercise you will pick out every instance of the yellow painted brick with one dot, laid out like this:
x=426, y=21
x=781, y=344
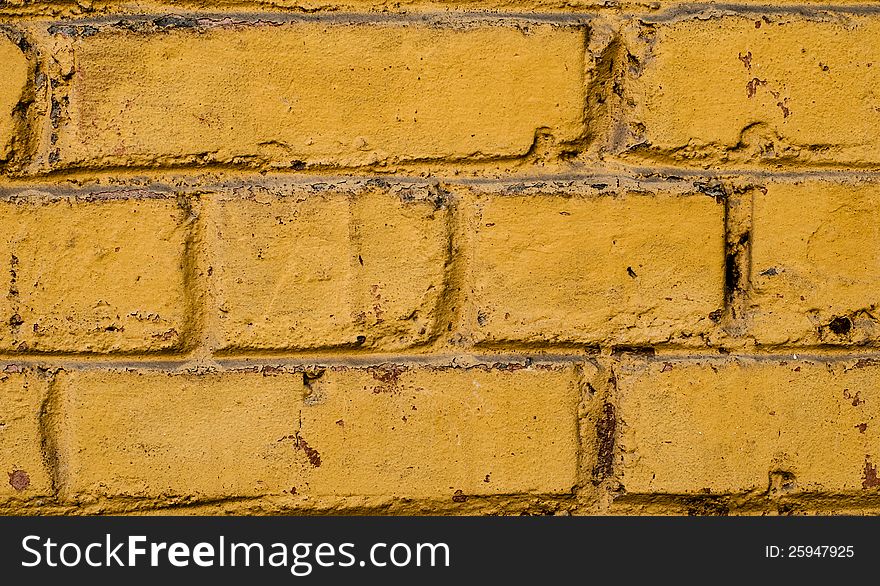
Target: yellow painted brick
x=12, y=86
x=92, y=275
x=426, y=432
x=321, y=93
x=729, y=426
x=628, y=268
x=785, y=89
x=22, y=471
x=388, y=432
x=815, y=276
x=331, y=269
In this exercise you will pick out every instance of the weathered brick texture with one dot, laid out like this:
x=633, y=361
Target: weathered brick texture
x=333, y=269
x=318, y=94
x=25, y=474
x=12, y=90
x=375, y=434
x=624, y=267
x=739, y=425
x=815, y=270
x=485, y=257
x=93, y=274
x=773, y=89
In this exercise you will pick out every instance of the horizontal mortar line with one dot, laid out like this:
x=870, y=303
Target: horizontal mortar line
x=640, y=175
x=332, y=17
x=751, y=173
x=237, y=363
x=753, y=501
x=325, y=504
x=163, y=184
x=687, y=9
x=456, y=360
x=461, y=13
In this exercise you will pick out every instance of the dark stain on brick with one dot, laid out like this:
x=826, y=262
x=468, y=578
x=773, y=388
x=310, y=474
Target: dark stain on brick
x=637, y=350
x=707, y=507
x=865, y=363
x=869, y=475
x=73, y=30
x=854, y=397
x=713, y=189
x=311, y=453
x=732, y=274
x=269, y=370
x=606, y=431
x=841, y=325
x=310, y=376
x=459, y=497
x=13, y=276
x=19, y=480
x=862, y=427
x=631, y=272
x=781, y=481
x=388, y=375
x=752, y=86
x=746, y=59
x=172, y=21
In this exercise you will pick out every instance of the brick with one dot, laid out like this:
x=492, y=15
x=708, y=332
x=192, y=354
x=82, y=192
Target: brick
x=328, y=270
x=773, y=89
x=92, y=275
x=317, y=93
x=628, y=268
x=387, y=432
x=12, y=88
x=815, y=276
x=730, y=426
x=22, y=471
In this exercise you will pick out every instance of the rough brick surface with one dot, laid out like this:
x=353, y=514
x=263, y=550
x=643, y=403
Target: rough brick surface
x=320, y=94
x=814, y=256
x=732, y=426
x=92, y=274
x=632, y=268
x=773, y=88
x=24, y=474
x=12, y=89
x=387, y=432
x=337, y=269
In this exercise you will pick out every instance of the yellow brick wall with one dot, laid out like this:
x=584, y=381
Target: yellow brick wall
x=439, y=256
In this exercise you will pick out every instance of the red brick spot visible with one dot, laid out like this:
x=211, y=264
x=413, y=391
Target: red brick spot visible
x=856, y=398
x=752, y=86
x=19, y=480
x=862, y=427
x=389, y=376
x=311, y=453
x=871, y=480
